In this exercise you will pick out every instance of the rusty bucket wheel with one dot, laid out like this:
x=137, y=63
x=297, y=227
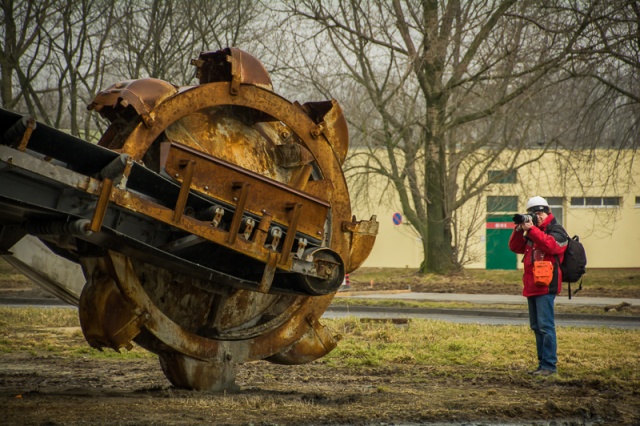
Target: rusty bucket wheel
x=326, y=162
x=281, y=328
x=212, y=224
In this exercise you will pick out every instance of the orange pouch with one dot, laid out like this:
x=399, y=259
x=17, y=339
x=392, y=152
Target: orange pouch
x=542, y=272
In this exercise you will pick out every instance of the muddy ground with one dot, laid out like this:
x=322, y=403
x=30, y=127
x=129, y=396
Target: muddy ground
x=40, y=389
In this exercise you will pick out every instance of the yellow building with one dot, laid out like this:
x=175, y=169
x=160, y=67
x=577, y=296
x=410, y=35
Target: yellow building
x=596, y=197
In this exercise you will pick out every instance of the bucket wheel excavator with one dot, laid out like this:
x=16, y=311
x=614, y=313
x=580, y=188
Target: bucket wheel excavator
x=210, y=225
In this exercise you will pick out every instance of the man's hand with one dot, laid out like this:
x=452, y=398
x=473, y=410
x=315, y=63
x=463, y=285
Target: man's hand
x=526, y=226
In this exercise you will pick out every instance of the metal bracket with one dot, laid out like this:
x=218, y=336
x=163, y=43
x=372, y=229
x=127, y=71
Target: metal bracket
x=101, y=206
x=291, y=232
x=235, y=76
x=276, y=234
x=248, y=227
x=217, y=217
x=181, y=202
x=269, y=272
x=302, y=245
x=262, y=231
x=241, y=201
x=318, y=130
x=18, y=135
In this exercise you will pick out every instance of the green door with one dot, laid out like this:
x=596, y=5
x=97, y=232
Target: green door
x=499, y=228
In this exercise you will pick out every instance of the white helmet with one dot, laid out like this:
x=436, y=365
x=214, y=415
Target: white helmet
x=537, y=201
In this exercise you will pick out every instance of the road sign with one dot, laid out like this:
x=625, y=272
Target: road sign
x=397, y=218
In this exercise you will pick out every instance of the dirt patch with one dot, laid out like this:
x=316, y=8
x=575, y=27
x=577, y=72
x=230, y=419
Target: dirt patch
x=55, y=390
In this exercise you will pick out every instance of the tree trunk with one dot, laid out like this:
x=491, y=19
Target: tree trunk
x=438, y=249
x=7, y=56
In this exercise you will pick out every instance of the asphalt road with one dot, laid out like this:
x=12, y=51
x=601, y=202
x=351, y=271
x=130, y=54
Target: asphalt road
x=469, y=316
x=483, y=316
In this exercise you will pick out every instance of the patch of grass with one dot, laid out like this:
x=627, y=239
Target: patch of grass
x=422, y=304
x=600, y=278
x=6, y=268
x=53, y=332
x=38, y=317
x=584, y=352
x=411, y=275
x=484, y=350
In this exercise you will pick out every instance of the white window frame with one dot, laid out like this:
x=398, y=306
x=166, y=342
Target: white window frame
x=602, y=204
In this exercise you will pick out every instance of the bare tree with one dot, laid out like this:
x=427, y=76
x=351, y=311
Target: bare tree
x=157, y=38
x=152, y=38
x=77, y=39
x=23, y=54
x=97, y=67
x=610, y=48
x=608, y=54
x=56, y=55
x=443, y=94
x=223, y=24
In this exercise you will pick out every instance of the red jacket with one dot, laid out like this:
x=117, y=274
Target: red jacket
x=549, y=237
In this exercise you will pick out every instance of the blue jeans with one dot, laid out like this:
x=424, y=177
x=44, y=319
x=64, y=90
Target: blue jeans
x=542, y=322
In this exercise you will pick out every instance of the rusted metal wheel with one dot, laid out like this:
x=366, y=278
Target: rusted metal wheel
x=283, y=156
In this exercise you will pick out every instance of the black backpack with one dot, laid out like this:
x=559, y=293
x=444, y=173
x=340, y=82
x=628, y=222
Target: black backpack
x=574, y=264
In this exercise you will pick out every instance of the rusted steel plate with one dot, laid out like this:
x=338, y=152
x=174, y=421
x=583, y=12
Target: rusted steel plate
x=142, y=95
x=193, y=345
x=219, y=178
x=158, y=323
x=194, y=226
x=243, y=68
x=212, y=94
x=332, y=124
x=233, y=135
x=48, y=170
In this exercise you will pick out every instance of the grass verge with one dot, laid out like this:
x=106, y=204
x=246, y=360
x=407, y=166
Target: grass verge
x=420, y=304
x=583, y=353
x=411, y=275
x=484, y=350
x=602, y=279
x=51, y=332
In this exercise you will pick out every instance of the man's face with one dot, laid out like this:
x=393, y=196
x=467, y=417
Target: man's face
x=541, y=216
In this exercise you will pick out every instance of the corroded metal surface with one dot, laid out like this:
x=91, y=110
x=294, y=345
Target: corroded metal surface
x=220, y=179
x=213, y=222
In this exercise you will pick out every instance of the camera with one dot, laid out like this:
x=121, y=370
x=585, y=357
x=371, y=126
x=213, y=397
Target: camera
x=522, y=218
